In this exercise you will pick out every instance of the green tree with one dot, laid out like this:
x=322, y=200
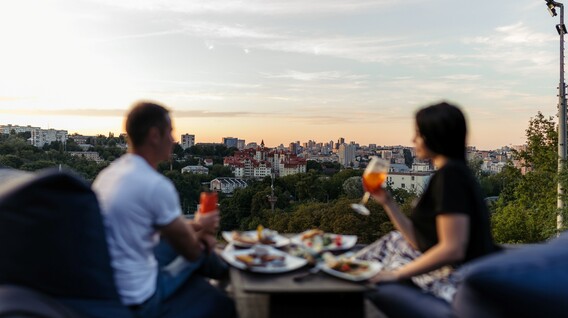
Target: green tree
x=502, y=183
x=475, y=167
x=526, y=212
x=189, y=188
x=12, y=161
x=353, y=187
x=314, y=165
x=217, y=171
x=71, y=145
x=178, y=150
x=38, y=165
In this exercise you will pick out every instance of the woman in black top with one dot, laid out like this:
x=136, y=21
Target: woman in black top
x=450, y=223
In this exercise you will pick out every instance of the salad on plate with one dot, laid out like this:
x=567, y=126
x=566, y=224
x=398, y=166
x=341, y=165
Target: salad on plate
x=319, y=241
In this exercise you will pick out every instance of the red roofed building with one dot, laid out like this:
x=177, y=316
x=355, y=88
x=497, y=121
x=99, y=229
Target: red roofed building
x=261, y=162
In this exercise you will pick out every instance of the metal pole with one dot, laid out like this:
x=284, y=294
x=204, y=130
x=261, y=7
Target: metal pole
x=561, y=122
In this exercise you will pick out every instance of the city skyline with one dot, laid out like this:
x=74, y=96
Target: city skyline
x=285, y=70
x=258, y=141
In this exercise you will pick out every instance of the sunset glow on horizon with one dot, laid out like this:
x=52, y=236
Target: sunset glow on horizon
x=279, y=70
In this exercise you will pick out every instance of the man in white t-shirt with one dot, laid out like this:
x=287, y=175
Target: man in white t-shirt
x=139, y=206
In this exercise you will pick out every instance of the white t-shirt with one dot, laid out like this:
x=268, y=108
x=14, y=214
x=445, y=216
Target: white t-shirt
x=134, y=200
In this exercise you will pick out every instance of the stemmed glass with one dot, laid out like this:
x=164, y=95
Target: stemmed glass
x=373, y=179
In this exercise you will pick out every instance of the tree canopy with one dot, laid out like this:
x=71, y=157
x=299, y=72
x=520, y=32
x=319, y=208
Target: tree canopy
x=526, y=209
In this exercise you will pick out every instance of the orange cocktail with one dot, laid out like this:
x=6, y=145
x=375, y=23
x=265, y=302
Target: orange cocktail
x=208, y=202
x=374, y=177
x=374, y=180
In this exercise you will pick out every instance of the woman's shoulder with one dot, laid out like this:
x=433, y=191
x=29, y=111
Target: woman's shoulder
x=455, y=170
x=455, y=166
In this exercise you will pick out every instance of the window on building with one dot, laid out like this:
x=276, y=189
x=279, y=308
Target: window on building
x=412, y=186
x=403, y=185
x=412, y=178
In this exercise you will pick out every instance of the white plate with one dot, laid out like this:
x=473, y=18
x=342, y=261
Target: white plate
x=279, y=240
x=347, y=242
x=373, y=269
x=290, y=262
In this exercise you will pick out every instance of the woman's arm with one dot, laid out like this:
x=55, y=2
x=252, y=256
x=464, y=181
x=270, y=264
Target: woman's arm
x=401, y=222
x=453, y=237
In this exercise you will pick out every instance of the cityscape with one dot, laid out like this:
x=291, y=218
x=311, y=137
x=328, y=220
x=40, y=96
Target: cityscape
x=254, y=160
x=298, y=136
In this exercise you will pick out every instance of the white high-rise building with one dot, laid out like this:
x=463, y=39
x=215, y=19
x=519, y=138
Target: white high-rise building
x=41, y=137
x=187, y=141
x=346, y=154
x=241, y=144
x=7, y=129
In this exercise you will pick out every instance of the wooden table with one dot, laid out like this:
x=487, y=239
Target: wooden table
x=278, y=295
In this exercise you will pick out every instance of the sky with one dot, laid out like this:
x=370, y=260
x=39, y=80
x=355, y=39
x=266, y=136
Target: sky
x=280, y=70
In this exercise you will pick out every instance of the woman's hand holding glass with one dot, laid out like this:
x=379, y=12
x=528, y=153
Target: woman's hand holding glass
x=374, y=179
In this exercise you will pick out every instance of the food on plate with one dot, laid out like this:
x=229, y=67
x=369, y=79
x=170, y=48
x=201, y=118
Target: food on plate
x=300, y=251
x=262, y=236
x=260, y=256
x=240, y=237
x=245, y=258
x=311, y=233
x=345, y=265
x=318, y=240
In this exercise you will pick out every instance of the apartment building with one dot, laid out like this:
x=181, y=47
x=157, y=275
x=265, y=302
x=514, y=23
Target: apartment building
x=411, y=181
x=187, y=141
x=41, y=137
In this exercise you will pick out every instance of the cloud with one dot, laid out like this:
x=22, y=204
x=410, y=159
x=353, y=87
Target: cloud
x=315, y=76
x=517, y=34
x=140, y=35
x=272, y=7
x=122, y=112
x=210, y=114
x=514, y=48
x=461, y=77
x=11, y=98
x=372, y=48
x=66, y=112
x=223, y=31
x=309, y=114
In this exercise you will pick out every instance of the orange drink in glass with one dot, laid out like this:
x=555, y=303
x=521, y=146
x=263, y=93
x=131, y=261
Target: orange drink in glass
x=208, y=202
x=374, y=178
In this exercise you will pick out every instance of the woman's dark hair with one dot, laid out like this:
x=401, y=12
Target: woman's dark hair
x=143, y=116
x=443, y=128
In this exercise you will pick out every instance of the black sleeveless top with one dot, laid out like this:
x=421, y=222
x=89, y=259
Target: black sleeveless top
x=453, y=190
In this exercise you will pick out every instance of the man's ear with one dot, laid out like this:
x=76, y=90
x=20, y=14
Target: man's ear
x=154, y=136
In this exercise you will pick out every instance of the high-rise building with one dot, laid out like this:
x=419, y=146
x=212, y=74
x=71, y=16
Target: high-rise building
x=241, y=144
x=231, y=142
x=41, y=137
x=187, y=141
x=346, y=154
x=7, y=129
x=293, y=148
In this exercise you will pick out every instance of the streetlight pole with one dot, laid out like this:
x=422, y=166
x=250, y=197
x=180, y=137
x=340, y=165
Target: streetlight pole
x=561, y=28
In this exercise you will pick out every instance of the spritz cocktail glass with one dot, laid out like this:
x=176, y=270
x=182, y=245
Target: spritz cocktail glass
x=374, y=179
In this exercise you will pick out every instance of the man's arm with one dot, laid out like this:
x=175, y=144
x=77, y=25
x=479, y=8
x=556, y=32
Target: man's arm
x=183, y=238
